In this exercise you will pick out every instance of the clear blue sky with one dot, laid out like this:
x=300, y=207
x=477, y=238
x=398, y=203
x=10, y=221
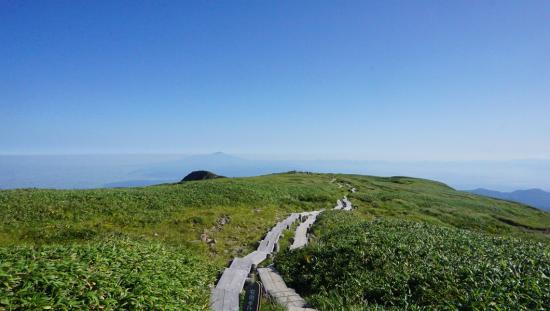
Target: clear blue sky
x=431, y=80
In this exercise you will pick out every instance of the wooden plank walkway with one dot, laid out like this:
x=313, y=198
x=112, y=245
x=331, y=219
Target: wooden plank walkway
x=274, y=284
x=344, y=204
x=244, y=264
x=347, y=204
x=222, y=299
x=225, y=296
x=300, y=236
x=276, y=287
x=232, y=279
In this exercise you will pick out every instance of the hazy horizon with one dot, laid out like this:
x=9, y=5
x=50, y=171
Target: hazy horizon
x=264, y=156
x=109, y=170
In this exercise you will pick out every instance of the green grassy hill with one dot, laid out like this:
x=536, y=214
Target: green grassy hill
x=200, y=224
x=434, y=202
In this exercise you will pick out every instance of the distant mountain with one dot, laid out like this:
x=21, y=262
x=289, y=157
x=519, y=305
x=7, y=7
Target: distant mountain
x=534, y=197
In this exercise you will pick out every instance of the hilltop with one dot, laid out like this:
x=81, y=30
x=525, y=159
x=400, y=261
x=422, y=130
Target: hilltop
x=200, y=175
x=167, y=226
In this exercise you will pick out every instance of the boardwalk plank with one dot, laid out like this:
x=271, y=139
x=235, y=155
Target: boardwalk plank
x=241, y=264
x=300, y=236
x=264, y=244
x=224, y=300
x=232, y=279
x=225, y=296
x=347, y=204
x=256, y=257
x=276, y=288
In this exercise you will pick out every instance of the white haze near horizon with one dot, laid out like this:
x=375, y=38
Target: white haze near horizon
x=92, y=171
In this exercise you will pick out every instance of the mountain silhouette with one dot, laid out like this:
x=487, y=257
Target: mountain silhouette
x=534, y=197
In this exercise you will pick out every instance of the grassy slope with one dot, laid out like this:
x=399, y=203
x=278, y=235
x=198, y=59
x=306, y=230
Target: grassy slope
x=405, y=247
x=433, y=202
x=387, y=263
x=176, y=215
x=56, y=243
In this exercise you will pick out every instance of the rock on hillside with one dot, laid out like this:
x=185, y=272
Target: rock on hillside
x=200, y=175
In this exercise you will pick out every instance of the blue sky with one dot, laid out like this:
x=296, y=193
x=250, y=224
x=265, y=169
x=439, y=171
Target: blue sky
x=397, y=80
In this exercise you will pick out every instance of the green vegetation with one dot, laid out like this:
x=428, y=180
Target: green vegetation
x=54, y=241
x=385, y=264
x=175, y=214
x=286, y=239
x=269, y=304
x=112, y=274
x=433, y=202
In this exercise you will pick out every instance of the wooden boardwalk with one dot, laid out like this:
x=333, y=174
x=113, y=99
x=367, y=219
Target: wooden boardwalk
x=344, y=204
x=225, y=296
x=276, y=287
x=300, y=236
x=274, y=284
x=347, y=204
x=227, y=300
